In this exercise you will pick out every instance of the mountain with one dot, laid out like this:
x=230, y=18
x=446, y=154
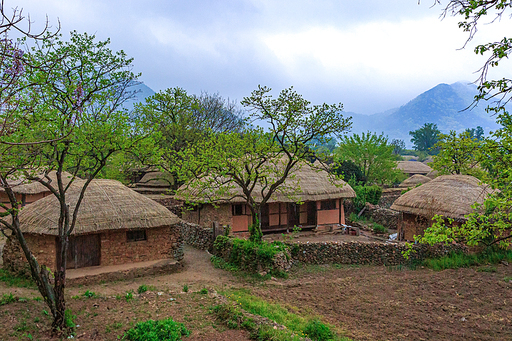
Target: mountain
x=142, y=91
x=448, y=106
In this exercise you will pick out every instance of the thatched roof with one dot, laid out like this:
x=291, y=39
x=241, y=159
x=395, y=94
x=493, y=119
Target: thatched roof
x=155, y=179
x=107, y=205
x=413, y=167
x=22, y=186
x=432, y=174
x=447, y=195
x=414, y=180
x=306, y=183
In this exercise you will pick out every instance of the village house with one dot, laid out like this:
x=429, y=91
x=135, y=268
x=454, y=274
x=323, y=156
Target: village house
x=27, y=192
x=448, y=195
x=311, y=198
x=415, y=180
x=410, y=168
x=115, y=225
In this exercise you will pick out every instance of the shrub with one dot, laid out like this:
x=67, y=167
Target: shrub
x=90, y=294
x=185, y=288
x=378, y=228
x=69, y=319
x=129, y=295
x=204, y=291
x=142, y=289
x=163, y=330
x=7, y=298
x=366, y=194
x=316, y=330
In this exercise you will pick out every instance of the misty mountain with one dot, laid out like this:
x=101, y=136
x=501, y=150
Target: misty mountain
x=142, y=91
x=445, y=105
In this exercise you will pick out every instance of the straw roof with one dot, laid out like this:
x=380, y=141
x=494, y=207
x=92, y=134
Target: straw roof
x=306, y=183
x=414, y=180
x=107, y=205
x=155, y=179
x=447, y=195
x=413, y=167
x=22, y=186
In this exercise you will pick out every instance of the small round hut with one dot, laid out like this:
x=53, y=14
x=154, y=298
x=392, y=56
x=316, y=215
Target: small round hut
x=309, y=198
x=448, y=195
x=115, y=225
x=415, y=180
x=410, y=168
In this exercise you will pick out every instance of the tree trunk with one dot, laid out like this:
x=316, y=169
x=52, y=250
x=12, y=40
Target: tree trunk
x=60, y=283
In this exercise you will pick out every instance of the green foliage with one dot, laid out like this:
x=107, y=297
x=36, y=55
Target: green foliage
x=255, y=232
x=233, y=317
x=349, y=171
x=129, y=295
x=458, y=154
x=462, y=260
x=203, y=291
x=90, y=294
x=8, y=298
x=163, y=330
x=378, y=228
x=142, y=289
x=364, y=194
x=317, y=330
x=185, y=288
x=69, y=319
x=15, y=281
x=425, y=138
x=372, y=154
x=220, y=263
x=398, y=146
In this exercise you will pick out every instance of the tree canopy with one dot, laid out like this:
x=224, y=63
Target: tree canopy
x=425, y=138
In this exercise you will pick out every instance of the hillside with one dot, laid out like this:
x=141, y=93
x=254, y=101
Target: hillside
x=445, y=105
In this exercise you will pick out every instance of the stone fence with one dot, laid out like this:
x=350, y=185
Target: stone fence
x=365, y=253
x=197, y=236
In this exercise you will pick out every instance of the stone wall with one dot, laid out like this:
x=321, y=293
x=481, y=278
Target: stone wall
x=389, y=195
x=364, y=253
x=384, y=216
x=42, y=247
x=173, y=205
x=197, y=236
x=207, y=214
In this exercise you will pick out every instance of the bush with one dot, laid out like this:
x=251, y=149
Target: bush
x=378, y=228
x=142, y=289
x=163, y=330
x=366, y=194
x=185, y=288
x=316, y=330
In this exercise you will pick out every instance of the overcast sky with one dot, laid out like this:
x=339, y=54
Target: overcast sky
x=370, y=55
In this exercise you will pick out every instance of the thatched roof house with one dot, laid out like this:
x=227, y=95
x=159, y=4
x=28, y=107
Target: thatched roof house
x=413, y=167
x=414, y=180
x=321, y=197
x=448, y=195
x=115, y=225
x=154, y=182
x=29, y=191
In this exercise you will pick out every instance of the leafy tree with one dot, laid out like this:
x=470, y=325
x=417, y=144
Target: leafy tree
x=254, y=164
x=79, y=88
x=372, y=154
x=176, y=120
x=458, y=154
x=477, y=133
x=425, y=138
x=348, y=170
x=398, y=146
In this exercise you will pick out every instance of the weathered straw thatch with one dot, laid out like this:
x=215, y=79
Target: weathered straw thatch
x=414, y=180
x=306, y=183
x=413, y=167
x=107, y=205
x=433, y=174
x=155, y=179
x=447, y=195
x=23, y=187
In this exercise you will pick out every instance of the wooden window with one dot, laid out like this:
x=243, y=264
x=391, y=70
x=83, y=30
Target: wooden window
x=136, y=235
x=326, y=205
x=238, y=209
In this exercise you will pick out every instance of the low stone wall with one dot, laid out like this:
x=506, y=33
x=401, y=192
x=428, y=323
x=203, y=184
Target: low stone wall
x=389, y=195
x=365, y=253
x=197, y=236
x=384, y=216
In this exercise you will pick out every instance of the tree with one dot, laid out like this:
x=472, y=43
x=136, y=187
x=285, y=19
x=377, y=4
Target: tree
x=79, y=87
x=458, y=154
x=477, y=133
x=176, y=120
x=398, y=146
x=254, y=164
x=425, y=138
x=372, y=154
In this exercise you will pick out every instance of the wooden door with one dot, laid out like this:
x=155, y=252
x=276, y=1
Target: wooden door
x=265, y=219
x=311, y=213
x=84, y=251
x=293, y=215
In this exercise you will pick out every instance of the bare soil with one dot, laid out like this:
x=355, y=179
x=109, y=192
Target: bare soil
x=363, y=303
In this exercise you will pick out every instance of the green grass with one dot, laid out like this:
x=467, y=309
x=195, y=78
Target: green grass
x=461, y=260
x=220, y=263
x=298, y=325
x=16, y=281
